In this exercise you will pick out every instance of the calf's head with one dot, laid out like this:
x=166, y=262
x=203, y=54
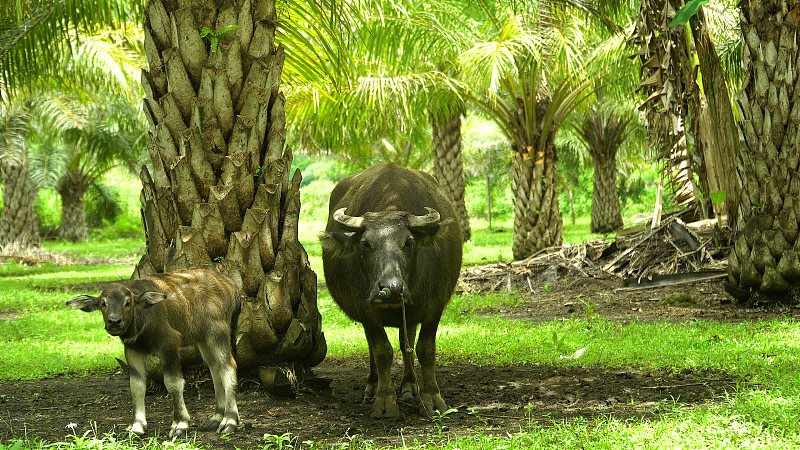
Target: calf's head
x=386, y=244
x=118, y=305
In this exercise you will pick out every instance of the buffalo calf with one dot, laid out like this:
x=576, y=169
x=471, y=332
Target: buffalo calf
x=156, y=315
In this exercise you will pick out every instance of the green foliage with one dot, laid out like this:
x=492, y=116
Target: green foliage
x=214, y=37
x=49, y=212
x=689, y=9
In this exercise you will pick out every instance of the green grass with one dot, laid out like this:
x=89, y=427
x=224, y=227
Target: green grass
x=764, y=356
x=98, y=248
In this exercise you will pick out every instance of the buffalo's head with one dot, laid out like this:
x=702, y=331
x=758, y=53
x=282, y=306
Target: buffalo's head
x=118, y=305
x=386, y=244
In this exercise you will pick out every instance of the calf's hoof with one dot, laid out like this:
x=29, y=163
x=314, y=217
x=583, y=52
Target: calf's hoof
x=177, y=433
x=212, y=425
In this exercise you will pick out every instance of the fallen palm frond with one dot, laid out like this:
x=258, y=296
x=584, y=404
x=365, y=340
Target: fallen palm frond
x=636, y=254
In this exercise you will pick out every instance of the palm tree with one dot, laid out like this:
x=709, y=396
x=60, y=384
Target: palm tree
x=688, y=106
x=516, y=81
x=74, y=143
x=376, y=81
x=30, y=63
x=220, y=192
x=603, y=134
x=765, y=254
x=18, y=220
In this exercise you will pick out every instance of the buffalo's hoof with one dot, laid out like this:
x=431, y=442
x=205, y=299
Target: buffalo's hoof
x=434, y=406
x=407, y=397
x=384, y=410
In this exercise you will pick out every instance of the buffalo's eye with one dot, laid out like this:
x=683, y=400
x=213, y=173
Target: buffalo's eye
x=103, y=304
x=127, y=303
x=365, y=245
x=409, y=243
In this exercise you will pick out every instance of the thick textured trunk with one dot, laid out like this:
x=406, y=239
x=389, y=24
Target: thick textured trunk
x=18, y=220
x=448, y=166
x=221, y=193
x=766, y=244
x=606, y=214
x=72, y=188
x=537, y=220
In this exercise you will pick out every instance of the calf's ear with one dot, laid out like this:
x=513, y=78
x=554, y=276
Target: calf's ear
x=149, y=299
x=85, y=303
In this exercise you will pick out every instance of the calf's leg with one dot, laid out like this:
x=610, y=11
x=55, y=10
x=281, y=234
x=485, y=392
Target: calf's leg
x=138, y=380
x=385, y=405
x=173, y=380
x=222, y=365
x=430, y=396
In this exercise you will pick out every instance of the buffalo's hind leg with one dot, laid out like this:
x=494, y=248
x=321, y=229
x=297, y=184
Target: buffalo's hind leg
x=222, y=366
x=430, y=396
x=380, y=349
x=173, y=381
x=408, y=385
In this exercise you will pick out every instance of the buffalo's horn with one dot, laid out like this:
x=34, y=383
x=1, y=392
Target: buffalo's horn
x=429, y=219
x=354, y=223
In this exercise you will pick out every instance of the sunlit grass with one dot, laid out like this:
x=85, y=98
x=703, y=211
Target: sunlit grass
x=120, y=248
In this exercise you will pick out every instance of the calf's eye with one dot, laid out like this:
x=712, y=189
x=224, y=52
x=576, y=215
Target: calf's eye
x=365, y=245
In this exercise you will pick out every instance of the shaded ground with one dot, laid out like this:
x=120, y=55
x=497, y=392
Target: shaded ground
x=496, y=399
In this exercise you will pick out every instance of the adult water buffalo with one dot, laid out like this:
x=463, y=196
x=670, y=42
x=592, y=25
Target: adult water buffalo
x=391, y=252
x=158, y=314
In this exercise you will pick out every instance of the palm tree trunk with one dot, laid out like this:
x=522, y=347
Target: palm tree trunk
x=220, y=193
x=606, y=214
x=72, y=188
x=448, y=166
x=766, y=244
x=537, y=220
x=18, y=220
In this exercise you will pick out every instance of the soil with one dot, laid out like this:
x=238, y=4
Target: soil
x=496, y=399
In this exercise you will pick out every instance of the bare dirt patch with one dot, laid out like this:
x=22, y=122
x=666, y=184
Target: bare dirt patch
x=496, y=399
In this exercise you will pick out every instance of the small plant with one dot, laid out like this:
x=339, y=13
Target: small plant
x=215, y=36
x=590, y=309
x=284, y=441
x=547, y=288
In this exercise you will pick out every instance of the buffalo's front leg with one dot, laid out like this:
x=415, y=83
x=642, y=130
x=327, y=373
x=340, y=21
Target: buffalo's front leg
x=408, y=384
x=138, y=380
x=430, y=396
x=385, y=405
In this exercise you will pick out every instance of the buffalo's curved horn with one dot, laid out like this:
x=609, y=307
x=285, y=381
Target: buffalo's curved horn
x=427, y=220
x=354, y=223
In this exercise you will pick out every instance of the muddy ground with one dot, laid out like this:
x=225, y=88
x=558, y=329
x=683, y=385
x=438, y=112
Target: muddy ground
x=495, y=399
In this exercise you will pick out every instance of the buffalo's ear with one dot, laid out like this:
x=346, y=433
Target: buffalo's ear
x=339, y=243
x=149, y=299
x=433, y=234
x=85, y=303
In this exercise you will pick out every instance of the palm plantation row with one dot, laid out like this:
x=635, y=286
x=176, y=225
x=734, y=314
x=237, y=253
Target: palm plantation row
x=227, y=86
